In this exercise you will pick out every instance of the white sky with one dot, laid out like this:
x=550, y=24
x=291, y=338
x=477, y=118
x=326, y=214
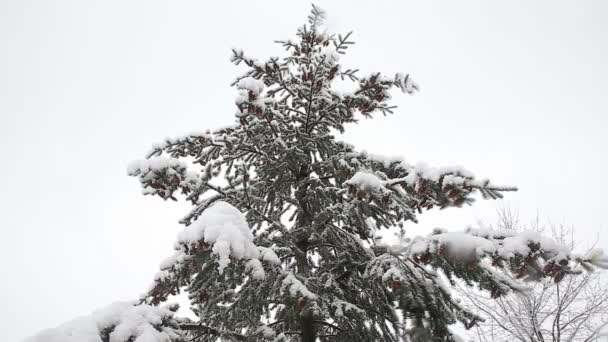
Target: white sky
x=511, y=90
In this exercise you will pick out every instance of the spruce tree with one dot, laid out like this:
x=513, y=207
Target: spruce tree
x=282, y=241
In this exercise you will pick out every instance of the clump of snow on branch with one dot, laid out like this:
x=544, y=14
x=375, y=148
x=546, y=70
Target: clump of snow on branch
x=266, y=331
x=119, y=322
x=256, y=268
x=461, y=246
x=510, y=243
x=163, y=176
x=251, y=84
x=536, y=256
x=452, y=175
x=268, y=255
x=250, y=99
x=367, y=183
x=453, y=180
x=596, y=257
x=392, y=273
x=474, y=244
x=221, y=230
x=190, y=139
x=295, y=287
x=224, y=228
x=329, y=54
x=343, y=307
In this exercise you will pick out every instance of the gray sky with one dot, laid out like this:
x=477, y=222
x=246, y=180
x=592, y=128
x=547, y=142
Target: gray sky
x=514, y=91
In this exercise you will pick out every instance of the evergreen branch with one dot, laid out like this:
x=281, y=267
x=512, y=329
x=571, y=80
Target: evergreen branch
x=343, y=43
x=211, y=331
x=316, y=16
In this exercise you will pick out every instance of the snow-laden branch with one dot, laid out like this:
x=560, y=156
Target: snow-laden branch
x=119, y=322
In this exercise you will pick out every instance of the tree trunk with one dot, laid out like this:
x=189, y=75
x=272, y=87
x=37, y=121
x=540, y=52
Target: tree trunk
x=308, y=333
x=307, y=326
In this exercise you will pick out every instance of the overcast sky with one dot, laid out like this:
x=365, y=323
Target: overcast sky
x=511, y=90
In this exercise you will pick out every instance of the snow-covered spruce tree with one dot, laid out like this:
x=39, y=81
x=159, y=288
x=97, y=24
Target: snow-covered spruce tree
x=281, y=243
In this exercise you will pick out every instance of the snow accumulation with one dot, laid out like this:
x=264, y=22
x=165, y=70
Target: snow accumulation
x=266, y=331
x=452, y=175
x=344, y=307
x=249, y=83
x=124, y=321
x=224, y=228
x=147, y=170
x=366, y=182
x=474, y=244
x=246, y=86
x=393, y=273
x=191, y=137
x=295, y=287
x=330, y=54
x=268, y=255
x=152, y=164
x=598, y=258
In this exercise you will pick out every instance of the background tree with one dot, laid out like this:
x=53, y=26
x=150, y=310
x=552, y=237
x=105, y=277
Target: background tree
x=281, y=243
x=573, y=310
